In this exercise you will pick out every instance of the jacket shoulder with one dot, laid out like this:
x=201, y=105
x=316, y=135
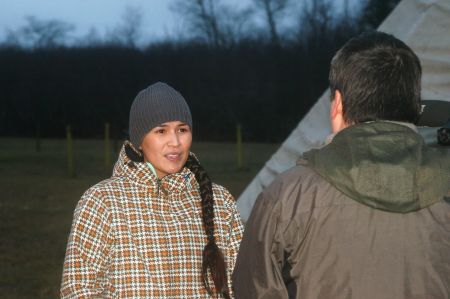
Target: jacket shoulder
x=223, y=194
x=300, y=174
x=103, y=191
x=297, y=190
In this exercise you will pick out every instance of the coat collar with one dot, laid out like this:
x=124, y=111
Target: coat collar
x=140, y=173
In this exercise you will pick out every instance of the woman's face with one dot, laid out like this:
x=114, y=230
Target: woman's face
x=167, y=146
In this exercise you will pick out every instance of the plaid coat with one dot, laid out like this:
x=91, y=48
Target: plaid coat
x=134, y=236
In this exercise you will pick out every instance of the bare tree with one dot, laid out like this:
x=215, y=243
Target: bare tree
x=375, y=11
x=272, y=9
x=202, y=16
x=129, y=30
x=235, y=24
x=91, y=39
x=316, y=20
x=42, y=33
x=12, y=38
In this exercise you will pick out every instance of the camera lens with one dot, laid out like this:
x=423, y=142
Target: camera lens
x=443, y=135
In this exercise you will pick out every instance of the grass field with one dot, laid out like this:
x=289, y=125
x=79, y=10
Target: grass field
x=38, y=198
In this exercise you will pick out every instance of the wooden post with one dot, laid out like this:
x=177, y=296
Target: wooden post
x=70, y=171
x=239, y=147
x=38, y=137
x=107, y=147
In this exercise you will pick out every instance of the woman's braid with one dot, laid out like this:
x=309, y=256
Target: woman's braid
x=212, y=256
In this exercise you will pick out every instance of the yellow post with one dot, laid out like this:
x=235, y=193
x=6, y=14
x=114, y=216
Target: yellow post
x=38, y=137
x=70, y=171
x=239, y=147
x=107, y=147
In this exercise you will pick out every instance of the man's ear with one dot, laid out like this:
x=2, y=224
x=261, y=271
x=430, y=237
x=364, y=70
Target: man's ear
x=336, y=104
x=337, y=113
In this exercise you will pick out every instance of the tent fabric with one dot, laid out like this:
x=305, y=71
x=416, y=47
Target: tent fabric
x=421, y=24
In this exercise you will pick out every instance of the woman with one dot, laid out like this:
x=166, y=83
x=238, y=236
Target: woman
x=158, y=228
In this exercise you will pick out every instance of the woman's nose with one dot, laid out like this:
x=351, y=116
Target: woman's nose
x=174, y=139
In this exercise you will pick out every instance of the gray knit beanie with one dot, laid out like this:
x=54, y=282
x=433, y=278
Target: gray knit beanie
x=155, y=105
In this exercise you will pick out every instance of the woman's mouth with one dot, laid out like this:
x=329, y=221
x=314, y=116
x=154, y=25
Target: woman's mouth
x=173, y=157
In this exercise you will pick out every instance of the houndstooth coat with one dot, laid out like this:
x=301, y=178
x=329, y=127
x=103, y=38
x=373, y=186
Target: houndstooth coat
x=136, y=237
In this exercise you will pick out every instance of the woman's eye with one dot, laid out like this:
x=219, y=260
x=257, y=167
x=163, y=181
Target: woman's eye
x=159, y=131
x=183, y=130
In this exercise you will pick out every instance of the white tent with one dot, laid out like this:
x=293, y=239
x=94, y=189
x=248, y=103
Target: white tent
x=424, y=25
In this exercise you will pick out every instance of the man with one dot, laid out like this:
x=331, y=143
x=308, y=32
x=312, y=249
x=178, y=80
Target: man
x=367, y=215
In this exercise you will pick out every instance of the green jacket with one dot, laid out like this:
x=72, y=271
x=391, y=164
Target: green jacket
x=366, y=216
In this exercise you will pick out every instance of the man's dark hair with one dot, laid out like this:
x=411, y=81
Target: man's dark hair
x=378, y=77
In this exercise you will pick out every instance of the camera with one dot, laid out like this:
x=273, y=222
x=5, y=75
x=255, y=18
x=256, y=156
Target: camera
x=443, y=134
x=436, y=114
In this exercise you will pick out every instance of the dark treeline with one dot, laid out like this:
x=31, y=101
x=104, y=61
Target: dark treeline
x=265, y=84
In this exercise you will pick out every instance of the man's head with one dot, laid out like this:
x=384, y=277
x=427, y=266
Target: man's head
x=374, y=76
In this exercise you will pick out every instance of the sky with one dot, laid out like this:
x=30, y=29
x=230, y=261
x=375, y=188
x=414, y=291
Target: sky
x=159, y=19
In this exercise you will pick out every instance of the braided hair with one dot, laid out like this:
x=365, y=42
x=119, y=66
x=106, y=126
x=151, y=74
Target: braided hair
x=213, y=259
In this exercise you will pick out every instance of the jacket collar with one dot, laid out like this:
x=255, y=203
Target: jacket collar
x=384, y=165
x=406, y=124
x=140, y=173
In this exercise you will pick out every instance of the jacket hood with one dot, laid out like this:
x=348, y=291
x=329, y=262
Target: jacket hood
x=140, y=173
x=384, y=165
